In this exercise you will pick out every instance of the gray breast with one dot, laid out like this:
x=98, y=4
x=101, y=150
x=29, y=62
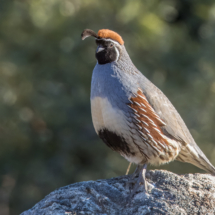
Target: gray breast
x=110, y=113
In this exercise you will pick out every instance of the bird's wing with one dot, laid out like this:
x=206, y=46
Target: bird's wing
x=164, y=126
x=174, y=127
x=149, y=127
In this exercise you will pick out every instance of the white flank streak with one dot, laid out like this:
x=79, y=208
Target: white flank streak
x=154, y=142
x=137, y=103
x=145, y=123
x=137, y=119
x=156, y=115
x=150, y=136
x=162, y=144
x=155, y=148
x=151, y=108
x=132, y=108
x=143, y=109
x=143, y=138
x=130, y=101
x=139, y=89
x=158, y=118
x=139, y=126
x=143, y=98
x=145, y=116
x=153, y=123
x=142, y=104
x=157, y=129
x=149, y=119
x=137, y=115
x=141, y=133
x=146, y=130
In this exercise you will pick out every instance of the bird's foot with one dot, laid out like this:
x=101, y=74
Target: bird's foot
x=133, y=179
x=140, y=182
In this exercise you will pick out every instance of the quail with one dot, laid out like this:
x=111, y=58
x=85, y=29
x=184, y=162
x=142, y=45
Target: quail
x=132, y=116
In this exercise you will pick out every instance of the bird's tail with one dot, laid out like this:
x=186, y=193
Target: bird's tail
x=194, y=155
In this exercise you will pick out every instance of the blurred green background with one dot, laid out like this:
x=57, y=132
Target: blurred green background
x=47, y=139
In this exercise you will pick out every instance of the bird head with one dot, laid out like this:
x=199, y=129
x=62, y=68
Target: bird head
x=109, y=45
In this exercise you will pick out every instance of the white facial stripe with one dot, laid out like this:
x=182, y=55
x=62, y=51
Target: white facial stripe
x=117, y=52
x=113, y=41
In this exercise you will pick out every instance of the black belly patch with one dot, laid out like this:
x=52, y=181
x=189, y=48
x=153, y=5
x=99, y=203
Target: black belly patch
x=114, y=141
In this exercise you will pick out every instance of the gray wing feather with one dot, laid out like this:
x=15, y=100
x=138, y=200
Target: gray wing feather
x=175, y=126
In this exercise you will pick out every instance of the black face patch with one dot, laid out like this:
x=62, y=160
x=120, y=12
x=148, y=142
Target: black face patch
x=115, y=142
x=109, y=53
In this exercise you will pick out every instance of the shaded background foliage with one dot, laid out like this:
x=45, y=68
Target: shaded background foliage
x=46, y=132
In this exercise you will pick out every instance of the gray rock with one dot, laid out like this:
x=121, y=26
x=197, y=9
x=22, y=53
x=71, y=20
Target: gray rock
x=168, y=193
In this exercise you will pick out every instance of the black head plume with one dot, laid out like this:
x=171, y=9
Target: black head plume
x=87, y=33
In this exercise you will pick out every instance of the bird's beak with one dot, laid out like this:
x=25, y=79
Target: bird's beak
x=99, y=49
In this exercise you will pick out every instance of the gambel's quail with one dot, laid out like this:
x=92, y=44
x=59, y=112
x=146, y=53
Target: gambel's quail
x=132, y=116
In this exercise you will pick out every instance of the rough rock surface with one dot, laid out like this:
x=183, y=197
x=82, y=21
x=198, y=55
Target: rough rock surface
x=168, y=193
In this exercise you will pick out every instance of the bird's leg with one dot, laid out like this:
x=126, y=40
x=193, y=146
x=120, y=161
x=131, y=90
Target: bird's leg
x=136, y=171
x=132, y=179
x=141, y=181
x=128, y=169
x=142, y=177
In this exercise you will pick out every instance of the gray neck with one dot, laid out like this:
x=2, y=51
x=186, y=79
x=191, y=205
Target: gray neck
x=125, y=62
x=116, y=80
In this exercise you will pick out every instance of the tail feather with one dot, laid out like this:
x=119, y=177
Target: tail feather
x=206, y=165
x=195, y=156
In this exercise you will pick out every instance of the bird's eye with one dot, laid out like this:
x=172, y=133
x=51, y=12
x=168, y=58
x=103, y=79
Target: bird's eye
x=111, y=45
